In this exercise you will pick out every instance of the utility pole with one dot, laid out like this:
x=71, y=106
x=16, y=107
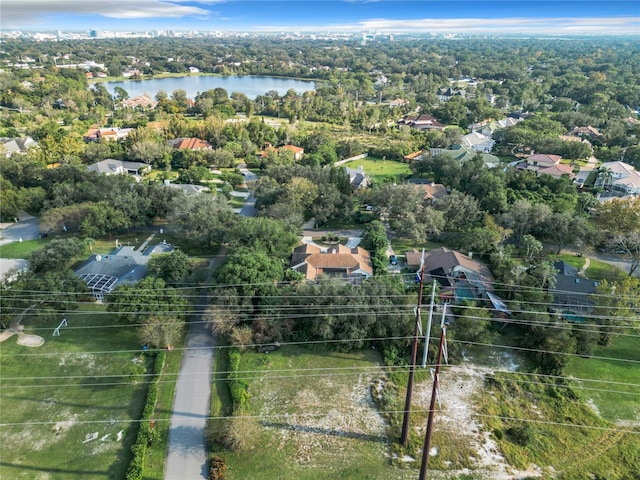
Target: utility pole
x=404, y=437
x=432, y=406
x=428, y=333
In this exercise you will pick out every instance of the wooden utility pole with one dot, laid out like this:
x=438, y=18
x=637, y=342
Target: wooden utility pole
x=432, y=406
x=427, y=335
x=404, y=437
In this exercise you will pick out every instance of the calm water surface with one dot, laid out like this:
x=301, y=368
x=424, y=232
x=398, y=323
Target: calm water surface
x=249, y=85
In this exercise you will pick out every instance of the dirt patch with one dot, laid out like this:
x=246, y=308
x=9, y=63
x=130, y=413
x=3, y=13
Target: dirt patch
x=27, y=340
x=458, y=386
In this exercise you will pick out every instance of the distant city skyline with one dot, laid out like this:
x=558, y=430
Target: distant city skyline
x=567, y=17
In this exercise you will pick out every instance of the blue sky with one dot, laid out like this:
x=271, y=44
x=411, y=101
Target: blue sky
x=488, y=16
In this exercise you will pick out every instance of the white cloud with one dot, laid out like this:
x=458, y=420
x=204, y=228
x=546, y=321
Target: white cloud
x=26, y=12
x=609, y=25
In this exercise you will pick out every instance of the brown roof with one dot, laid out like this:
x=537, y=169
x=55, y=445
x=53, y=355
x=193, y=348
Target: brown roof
x=557, y=170
x=448, y=260
x=413, y=156
x=293, y=148
x=190, y=144
x=310, y=260
x=432, y=191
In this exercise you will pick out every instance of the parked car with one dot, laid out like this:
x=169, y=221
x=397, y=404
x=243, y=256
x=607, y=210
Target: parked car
x=393, y=260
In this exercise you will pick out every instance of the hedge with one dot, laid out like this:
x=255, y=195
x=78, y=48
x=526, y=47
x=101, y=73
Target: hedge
x=145, y=435
x=238, y=388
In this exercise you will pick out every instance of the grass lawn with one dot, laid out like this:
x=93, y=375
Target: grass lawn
x=401, y=244
x=377, y=168
x=601, y=270
x=69, y=387
x=157, y=175
x=236, y=202
x=22, y=249
x=612, y=385
x=571, y=259
x=311, y=422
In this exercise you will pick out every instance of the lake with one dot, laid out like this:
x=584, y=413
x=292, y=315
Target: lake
x=251, y=86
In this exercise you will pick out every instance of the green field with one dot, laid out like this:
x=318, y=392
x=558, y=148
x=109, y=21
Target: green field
x=377, y=168
x=310, y=417
x=73, y=385
x=612, y=383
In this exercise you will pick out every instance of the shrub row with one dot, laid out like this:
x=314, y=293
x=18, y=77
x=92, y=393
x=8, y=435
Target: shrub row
x=238, y=388
x=146, y=435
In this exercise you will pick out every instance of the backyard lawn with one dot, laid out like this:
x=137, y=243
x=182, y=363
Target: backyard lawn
x=57, y=397
x=377, y=168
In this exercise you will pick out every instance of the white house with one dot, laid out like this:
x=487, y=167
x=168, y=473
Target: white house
x=619, y=176
x=478, y=142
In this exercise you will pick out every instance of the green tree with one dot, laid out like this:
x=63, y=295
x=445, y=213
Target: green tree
x=203, y=220
x=56, y=256
x=161, y=331
x=173, y=267
x=251, y=272
x=616, y=306
x=150, y=297
x=620, y=219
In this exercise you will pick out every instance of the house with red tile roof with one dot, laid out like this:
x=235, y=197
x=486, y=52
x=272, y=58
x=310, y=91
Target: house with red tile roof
x=191, y=143
x=109, y=134
x=352, y=265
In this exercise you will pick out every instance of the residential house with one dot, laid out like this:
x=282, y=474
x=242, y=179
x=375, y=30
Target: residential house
x=432, y=192
x=421, y=121
x=413, y=156
x=446, y=93
x=398, y=102
x=187, y=188
x=20, y=145
x=298, y=152
x=140, y=101
x=463, y=154
x=478, y=142
x=124, y=266
x=131, y=72
x=109, y=134
x=460, y=277
x=112, y=166
x=631, y=122
x=572, y=293
x=620, y=177
x=189, y=144
x=545, y=164
x=591, y=133
x=488, y=128
x=352, y=265
x=357, y=177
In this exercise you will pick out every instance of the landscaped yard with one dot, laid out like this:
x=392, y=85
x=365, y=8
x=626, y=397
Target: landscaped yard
x=377, y=168
x=72, y=388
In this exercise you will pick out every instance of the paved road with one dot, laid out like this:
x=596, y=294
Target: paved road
x=187, y=450
x=25, y=229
